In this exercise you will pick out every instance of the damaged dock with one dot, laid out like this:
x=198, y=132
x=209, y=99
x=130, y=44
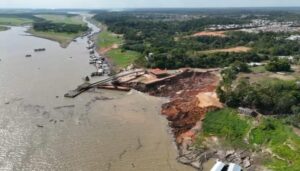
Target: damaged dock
x=109, y=83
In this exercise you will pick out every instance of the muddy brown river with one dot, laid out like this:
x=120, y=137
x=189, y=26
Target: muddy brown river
x=98, y=130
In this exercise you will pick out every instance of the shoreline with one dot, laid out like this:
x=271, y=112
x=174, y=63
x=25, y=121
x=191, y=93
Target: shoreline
x=3, y=28
x=62, y=44
x=191, y=94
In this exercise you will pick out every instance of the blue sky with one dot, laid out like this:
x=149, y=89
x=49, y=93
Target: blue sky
x=143, y=3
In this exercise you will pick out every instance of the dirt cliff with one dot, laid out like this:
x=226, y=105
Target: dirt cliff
x=192, y=95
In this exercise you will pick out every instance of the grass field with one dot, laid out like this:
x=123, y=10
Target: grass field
x=15, y=21
x=283, y=142
x=122, y=59
x=109, y=44
x=226, y=123
x=106, y=39
x=260, y=74
x=258, y=69
x=63, y=38
x=270, y=134
x=62, y=19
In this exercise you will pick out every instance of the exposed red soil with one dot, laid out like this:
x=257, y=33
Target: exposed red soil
x=107, y=49
x=187, y=107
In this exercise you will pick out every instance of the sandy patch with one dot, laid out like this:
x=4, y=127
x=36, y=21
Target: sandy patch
x=209, y=99
x=234, y=49
x=210, y=33
x=107, y=49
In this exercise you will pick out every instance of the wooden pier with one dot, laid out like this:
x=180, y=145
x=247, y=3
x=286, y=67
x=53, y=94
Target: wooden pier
x=86, y=86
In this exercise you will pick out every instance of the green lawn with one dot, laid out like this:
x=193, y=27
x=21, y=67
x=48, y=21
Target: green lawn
x=62, y=18
x=63, y=38
x=15, y=21
x=122, y=59
x=270, y=134
x=283, y=142
x=106, y=39
x=258, y=69
x=226, y=123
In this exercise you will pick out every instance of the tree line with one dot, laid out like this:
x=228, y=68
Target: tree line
x=59, y=27
x=171, y=46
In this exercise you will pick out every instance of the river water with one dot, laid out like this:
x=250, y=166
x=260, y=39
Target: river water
x=98, y=130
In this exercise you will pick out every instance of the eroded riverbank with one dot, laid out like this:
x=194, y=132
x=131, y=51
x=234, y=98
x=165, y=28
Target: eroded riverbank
x=99, y=130
x=191, y=93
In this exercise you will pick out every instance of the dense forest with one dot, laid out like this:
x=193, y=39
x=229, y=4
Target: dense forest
x=59, y=27
x=166, y=36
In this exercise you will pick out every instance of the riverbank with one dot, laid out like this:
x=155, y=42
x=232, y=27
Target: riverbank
x=109, y=45
x=99, y=130
x=191, y=94
x=3, y=28
x=64, y=39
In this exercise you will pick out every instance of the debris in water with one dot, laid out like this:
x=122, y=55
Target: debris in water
x=39, y=49
x=87, y=78
x=40, y=126
x=67, y=106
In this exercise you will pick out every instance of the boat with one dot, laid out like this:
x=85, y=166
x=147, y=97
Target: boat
x=96, y=74
x=100, y=70
x=39, y=49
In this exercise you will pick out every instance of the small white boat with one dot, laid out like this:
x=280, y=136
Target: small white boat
x=218, y=166
x=100, y=70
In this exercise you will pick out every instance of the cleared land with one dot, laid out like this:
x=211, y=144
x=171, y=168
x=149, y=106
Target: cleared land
x=259, y=74
x=64, y=39
x=122, y=59
x=233, y=49
x=109, y=43
x=15, y=21
x=62, y=19
x=107, y=39
x=210, y=33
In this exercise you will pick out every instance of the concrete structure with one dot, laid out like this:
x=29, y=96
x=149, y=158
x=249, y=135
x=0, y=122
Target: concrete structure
x=247, y=111
x=218, y=166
